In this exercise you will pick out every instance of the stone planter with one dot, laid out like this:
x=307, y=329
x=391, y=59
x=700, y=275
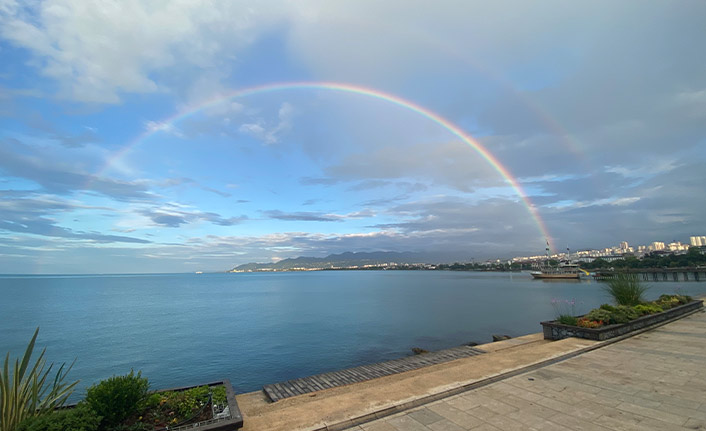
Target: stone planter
x=232, y=421
x=557, y=331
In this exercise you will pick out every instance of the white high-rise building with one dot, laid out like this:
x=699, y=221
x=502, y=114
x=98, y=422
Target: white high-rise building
x=677, y=246
x=656, y=246
x=698, y=241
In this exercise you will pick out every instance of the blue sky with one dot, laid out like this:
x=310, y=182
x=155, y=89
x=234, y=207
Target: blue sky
x=597, y=109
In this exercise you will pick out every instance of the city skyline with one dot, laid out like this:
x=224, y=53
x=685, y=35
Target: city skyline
x=172, y=137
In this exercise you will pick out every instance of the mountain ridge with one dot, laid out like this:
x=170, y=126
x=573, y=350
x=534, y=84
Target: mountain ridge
x=341, y=260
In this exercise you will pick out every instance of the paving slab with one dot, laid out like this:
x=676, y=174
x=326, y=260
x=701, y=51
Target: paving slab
x=362, y=402
x=616, y=387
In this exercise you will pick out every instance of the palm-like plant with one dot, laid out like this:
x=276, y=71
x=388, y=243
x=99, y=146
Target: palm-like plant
x=27, y=392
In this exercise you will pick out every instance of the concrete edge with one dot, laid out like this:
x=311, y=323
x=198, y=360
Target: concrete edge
x=408, y=405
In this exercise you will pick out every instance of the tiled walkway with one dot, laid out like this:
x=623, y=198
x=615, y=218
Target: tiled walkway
x=653, y=381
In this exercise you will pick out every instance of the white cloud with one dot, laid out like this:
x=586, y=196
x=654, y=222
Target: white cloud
x=271, y=135
x=99, y=50
x=166, y=127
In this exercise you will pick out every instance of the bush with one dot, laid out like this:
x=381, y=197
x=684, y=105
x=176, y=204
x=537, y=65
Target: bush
x=80, y=418
x=625, y=289
x=219, y=394
x=117, y=398
x=623, y=314
x=667, y=301
x=567, y=319
x=137, y=426
x=599, y=315
x=586, y=323
x=26, y=392
x=648, y=308
x=187, y=402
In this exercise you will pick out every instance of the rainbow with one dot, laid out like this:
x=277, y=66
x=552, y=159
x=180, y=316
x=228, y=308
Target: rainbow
x=352, y=89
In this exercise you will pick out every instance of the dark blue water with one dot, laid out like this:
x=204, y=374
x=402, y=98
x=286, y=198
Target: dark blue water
x=262, y=328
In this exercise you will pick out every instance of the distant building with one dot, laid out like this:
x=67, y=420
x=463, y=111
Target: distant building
x=624, y=246
x=677, y=246
x=656, y=246
x=698, y=241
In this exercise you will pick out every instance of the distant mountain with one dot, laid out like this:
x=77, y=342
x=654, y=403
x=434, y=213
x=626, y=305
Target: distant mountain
x=343, y=260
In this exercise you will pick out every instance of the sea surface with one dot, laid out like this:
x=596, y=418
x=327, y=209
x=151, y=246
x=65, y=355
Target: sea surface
x=259, y=328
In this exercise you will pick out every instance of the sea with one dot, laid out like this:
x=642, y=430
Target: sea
x=260, y=328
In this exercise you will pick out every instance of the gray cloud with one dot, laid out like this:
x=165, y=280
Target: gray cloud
x=315, y=216
x=76, y=140
x=32, y=215
x=324, y=181
x=450, y=164
x=172, y=216
x=175, y=182
x=23, y=161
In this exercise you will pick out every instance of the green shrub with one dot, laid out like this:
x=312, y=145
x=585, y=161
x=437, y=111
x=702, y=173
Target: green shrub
x=648, y=308
x=80, y=418
x=567, y=319
x=137, y=426
x=187, y=402
x=599, y=315
x=219, y=394
x=26, y=392
x=623, y=314
x=151, y=401
x=117, y=398
x=684, y=299
x=667, y=301
x=625, y=289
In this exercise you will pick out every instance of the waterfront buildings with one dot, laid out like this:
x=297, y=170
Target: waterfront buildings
x=619, y=251
x=698, y=241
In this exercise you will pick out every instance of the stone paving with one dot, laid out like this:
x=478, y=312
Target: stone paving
x=652, y=381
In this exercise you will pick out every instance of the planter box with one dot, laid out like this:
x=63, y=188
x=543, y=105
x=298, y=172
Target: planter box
x=557, y=331
x=233, y=421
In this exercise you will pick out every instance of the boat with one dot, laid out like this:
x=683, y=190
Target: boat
x=565, y=270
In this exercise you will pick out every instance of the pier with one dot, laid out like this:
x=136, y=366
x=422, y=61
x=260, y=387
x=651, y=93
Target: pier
x=656, y=274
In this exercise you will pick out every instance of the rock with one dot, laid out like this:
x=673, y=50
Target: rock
x=501, y=337
x=419, y=350
x=471, y=344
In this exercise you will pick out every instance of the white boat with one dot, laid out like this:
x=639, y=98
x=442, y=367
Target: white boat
x=565, y=270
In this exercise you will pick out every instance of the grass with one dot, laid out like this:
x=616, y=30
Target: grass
x=566, y=319
x=625, y=289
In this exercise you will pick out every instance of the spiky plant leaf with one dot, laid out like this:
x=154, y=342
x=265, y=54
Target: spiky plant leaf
x=28, y=393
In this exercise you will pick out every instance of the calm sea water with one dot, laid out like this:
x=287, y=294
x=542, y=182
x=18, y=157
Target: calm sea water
x=262, y=328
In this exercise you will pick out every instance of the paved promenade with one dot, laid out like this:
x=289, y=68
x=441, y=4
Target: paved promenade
x=652, y=381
